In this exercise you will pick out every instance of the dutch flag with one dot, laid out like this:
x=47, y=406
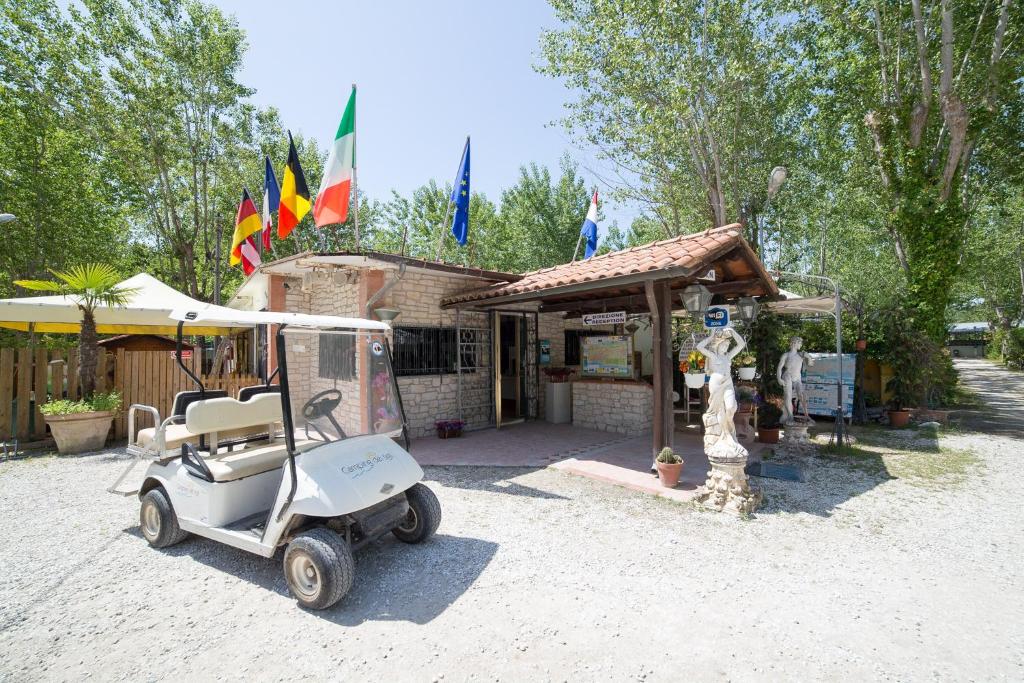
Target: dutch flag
x=589, y=229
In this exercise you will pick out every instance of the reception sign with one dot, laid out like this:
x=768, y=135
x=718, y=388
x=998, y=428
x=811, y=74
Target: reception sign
x=607, y=356
x=820, y=383
x=613, y=318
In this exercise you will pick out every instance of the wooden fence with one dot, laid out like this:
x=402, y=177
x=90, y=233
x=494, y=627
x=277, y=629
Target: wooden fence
x=30, y=377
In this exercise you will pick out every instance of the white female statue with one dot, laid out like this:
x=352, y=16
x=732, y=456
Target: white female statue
x=726, y=487
x=791, y=365
x=721, y=442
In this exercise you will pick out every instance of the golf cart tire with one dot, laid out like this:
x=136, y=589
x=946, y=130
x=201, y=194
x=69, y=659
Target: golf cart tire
x=331, y=560
x=424, y=515
x=157, y=521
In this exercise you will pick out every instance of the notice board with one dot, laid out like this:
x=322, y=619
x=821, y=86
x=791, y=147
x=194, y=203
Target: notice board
x=820, y=383
x=606, y=356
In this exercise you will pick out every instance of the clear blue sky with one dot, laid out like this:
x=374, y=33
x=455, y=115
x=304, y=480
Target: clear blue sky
x=428, y=74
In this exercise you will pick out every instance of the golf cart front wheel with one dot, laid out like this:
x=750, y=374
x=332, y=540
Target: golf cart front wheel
x=319, y=568
x=157, y=520
x=423, y=518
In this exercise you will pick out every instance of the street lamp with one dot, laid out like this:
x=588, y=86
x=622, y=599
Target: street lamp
x=696, y=299
x=747, y=306
x=775, y=180
x=7, y=218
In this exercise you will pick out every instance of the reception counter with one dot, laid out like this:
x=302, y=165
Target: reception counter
x=620, y=406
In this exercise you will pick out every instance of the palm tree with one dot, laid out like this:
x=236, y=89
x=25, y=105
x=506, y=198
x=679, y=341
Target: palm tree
x=93, y=284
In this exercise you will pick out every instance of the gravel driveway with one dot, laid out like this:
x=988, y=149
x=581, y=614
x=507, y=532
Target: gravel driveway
x=903, y=561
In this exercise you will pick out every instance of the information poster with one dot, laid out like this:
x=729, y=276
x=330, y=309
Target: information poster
x=820, y=380
x=607, y=356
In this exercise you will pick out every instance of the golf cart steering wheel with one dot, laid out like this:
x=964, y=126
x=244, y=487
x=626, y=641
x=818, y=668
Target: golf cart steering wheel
x=321, y=404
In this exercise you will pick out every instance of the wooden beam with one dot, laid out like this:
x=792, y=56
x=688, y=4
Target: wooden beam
x=736, y=287
x=632, y=300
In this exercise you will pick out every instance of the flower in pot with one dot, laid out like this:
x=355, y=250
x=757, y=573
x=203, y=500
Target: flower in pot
x=79, y=426
x=768, y=416
x=903, y=391
x=670, y=466
x=746, y=362
x=694, y=370
x=449, y=429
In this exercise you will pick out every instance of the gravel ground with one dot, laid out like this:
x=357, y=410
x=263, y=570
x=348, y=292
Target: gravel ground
x=903, y=561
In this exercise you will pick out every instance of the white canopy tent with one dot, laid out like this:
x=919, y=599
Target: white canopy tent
x=148, y=311
x=156, y=308
x=794, y=304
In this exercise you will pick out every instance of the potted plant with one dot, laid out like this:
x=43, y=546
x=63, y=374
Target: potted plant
x=557, y=375
x=694, y=370
x=79, y=426
x=449, y=429
x=768, y=415
x=903, y=392
x=746, y=362
x=670, y=466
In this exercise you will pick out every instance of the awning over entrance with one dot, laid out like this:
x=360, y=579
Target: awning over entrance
x=720, y=259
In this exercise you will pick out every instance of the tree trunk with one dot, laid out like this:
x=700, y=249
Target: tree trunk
x=87, y=352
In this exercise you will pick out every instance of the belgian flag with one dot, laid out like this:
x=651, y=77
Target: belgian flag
x=294, y=193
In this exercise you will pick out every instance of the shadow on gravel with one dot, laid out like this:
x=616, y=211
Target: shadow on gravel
x=489, y=478
x=394, y=581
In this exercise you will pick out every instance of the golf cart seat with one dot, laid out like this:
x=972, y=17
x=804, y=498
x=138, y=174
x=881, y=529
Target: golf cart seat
x=174, y=432
x=218, y=416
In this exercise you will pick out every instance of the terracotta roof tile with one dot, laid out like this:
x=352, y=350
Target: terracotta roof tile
x=685, y=251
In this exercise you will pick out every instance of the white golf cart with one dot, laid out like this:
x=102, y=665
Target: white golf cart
x=309, y=464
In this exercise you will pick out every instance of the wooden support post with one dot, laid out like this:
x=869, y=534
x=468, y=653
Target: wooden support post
x=665, y=316
x=652, y=291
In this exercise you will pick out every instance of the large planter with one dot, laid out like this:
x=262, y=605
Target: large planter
x=768, y=434
x=668, y=473
x=558, y=402
x=746, y=374
x=899, y=418
x=80, y=432
x=694, y=380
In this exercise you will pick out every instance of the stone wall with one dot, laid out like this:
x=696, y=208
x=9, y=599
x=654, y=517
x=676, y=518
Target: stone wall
x=622, y=407
x=552, y=326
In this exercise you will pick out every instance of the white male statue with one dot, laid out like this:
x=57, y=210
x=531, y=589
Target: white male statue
x=791, y=366
x=726, y=487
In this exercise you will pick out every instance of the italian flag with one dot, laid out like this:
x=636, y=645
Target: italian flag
x=332, y=201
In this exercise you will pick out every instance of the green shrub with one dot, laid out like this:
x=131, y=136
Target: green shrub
x=110, y=401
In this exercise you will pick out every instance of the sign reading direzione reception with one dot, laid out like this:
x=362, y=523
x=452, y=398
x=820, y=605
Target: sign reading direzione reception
x=613, y=318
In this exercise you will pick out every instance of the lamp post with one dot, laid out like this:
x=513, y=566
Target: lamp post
x=754, y=206
x=748, y=307
x=839, y=432
x=7, y=218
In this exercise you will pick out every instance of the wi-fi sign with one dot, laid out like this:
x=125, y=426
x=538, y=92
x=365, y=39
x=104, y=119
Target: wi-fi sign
x=716, y=316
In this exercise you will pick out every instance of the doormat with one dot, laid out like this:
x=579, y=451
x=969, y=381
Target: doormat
x=770, y=470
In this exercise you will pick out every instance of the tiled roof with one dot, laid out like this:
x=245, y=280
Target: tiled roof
x=683, y=252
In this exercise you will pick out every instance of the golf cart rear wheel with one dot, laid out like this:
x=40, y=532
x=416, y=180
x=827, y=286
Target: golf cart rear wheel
x=319, y=568
x=157, y=520
x=423, y=518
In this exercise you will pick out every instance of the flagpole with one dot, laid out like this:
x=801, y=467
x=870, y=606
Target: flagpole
x=355, y=185
x=576, y=252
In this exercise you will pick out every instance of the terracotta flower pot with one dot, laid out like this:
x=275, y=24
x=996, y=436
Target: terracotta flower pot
x=768, y=434
x=80, y=432
x=899, y=418
x=862, y=344
x=669, y=473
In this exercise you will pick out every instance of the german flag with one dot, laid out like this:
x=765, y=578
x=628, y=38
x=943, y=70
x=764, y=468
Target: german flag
x=294, y=193
x=247, y=223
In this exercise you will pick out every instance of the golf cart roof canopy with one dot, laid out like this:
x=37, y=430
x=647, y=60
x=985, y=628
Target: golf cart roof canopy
x=221, y=316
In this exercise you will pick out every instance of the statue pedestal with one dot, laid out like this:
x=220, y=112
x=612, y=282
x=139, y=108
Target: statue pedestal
x=727, y=486
x=795, y=436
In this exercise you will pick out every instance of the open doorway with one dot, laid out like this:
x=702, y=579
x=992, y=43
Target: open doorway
x=509, y=337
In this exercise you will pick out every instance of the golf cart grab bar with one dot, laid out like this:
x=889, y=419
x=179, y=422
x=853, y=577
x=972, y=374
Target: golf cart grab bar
x=193, y=463
x=131, y=419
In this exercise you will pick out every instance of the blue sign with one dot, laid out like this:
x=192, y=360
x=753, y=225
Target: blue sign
x=716, y=316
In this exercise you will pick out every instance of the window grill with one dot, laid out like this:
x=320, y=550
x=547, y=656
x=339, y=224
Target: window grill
x=432, y=351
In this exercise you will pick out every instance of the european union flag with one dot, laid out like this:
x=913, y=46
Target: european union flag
x=460, y=197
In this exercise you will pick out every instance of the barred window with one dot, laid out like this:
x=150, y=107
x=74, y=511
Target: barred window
x=337, y=356
x=424, y=351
